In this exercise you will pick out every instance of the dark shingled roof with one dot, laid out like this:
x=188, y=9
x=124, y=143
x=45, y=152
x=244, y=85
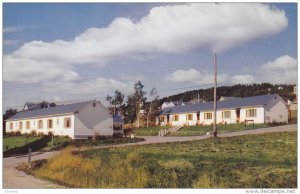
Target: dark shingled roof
x=30, y=104
x=57, y=110
x=234, y=103
x=117, y=119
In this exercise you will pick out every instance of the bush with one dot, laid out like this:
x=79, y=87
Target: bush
x=275, y=123
x=33, y=133
x=117, y=135
x=11, y=133
x=50, y=133
x=40, y=134
x=18, y=133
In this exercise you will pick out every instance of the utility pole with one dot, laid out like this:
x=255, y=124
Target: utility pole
x=215, y=93
x=148, y=115
x=138, y=114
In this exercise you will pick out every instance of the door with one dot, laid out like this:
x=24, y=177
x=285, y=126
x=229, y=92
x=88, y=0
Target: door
x=198, y=117
x=168, y=119
x=238, y=111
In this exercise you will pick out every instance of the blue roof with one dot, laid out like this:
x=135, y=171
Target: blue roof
x=57, y=110
x=227, y=104
x=117, y=119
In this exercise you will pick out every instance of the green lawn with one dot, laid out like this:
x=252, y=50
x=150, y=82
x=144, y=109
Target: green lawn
x=201, y=130
x=16, y=141
x=252, y=161
x=151, y=131
x=15, y=145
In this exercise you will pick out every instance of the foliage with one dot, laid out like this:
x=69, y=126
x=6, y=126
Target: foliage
x=238, y=90
x=253, y=161
x=8, y=113
x=135, y=102
x=116, y=102
x=33, y=133
x=152, y=107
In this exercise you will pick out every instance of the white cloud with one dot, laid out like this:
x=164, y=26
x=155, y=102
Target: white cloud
x=283, y=70
x=12, y=29
x=10, y=42
x=98, y=85
x=26, y=70
x=166, y=29
x=243, y=79
x=195, y=77
x=283, y=62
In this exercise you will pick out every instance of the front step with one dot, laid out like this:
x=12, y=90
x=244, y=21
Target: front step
x=164, y=132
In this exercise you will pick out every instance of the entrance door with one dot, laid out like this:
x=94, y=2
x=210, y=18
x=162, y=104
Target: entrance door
x=168, y=119
x=198, y=117
x=238, y=115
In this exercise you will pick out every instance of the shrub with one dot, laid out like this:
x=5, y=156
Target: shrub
x=40, y=134
x=50, y=133
x=11, y=133
x=33, y=133
x=18, y=133
x=117, y=135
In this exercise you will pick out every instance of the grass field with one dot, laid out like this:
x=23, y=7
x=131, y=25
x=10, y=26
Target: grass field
x=151, y=131
x=15, y=145
x=201, y=130
x=16, y=141
x=196, y=130
x=253, y=161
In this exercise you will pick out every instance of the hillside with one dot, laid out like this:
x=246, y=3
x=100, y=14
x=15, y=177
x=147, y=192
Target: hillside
x=285, y=91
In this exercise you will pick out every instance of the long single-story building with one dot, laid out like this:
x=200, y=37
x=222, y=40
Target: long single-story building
x=79, y=120
x=257, y=109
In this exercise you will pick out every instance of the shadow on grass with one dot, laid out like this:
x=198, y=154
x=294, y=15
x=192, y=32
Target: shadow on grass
x=36, y=145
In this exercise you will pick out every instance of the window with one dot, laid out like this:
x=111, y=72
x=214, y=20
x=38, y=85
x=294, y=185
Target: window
x=208, y=115
x=27, y=124
x=67, y=122
x=251, y=113
x=189, y=117
x=49, y=124
x=20, y=125
x=57, y=121
x=11, y=126
x=40, y=124
x=176, y=118
x=94, y=104
x=161, y=119
x=226, y=114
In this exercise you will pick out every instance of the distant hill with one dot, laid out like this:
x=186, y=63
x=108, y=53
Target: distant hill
x=285, y=91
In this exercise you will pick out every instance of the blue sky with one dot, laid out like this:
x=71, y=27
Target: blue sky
x=61, y=52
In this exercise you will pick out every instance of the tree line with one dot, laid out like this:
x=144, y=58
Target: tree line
x=239, y=90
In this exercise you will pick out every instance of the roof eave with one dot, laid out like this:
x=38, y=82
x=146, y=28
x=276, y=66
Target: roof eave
x=26, y=118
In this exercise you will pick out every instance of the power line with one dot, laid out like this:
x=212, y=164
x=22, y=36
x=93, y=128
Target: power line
x=91, y=78
x=102, y=97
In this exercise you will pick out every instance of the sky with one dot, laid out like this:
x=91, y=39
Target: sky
x=65, y=52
